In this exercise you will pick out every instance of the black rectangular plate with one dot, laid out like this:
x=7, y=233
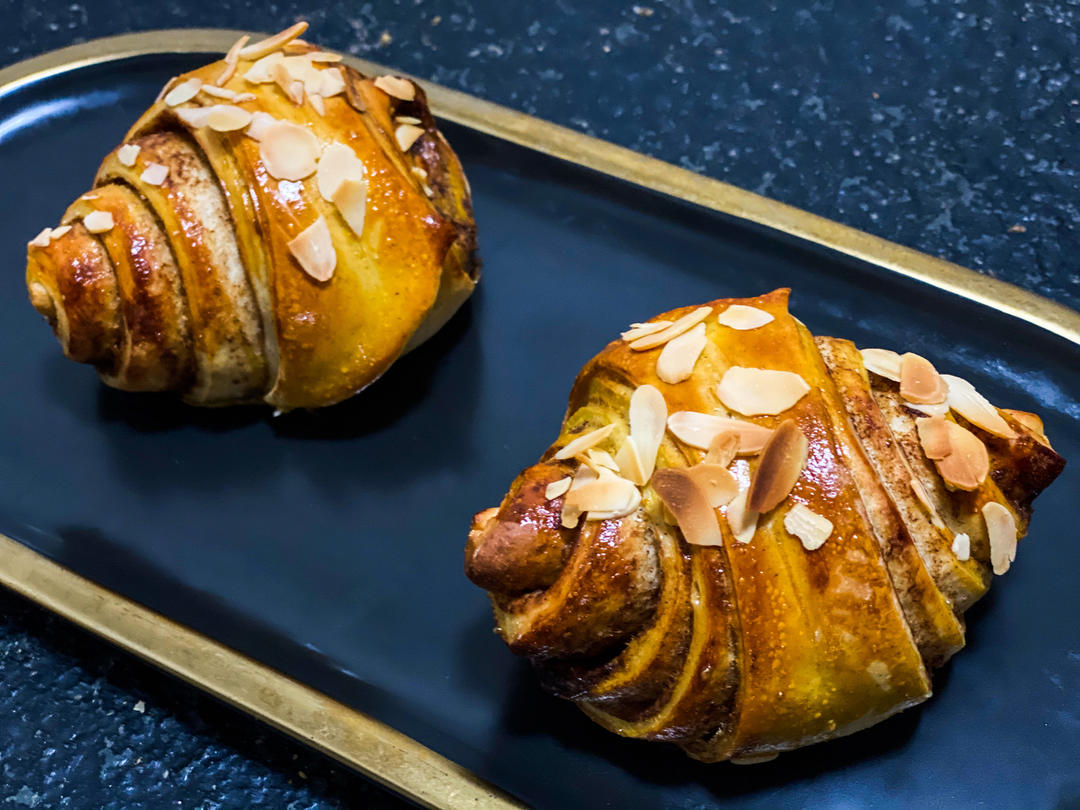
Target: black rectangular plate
x=329, y=544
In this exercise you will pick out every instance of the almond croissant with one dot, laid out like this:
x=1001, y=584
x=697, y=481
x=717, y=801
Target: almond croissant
x=746, y=540
x=275, y=227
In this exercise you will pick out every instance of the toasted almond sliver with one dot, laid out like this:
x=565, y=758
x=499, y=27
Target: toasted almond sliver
x=882, y=362
x=680, y=354
x=741, y=521
x=127, y=153
x=324, y=56
x=42, y=239
x=760, y=391
x=583, y=442
x=317, y=103
x=231, y=59
x=406, y=135
x=313, y=249
x=338, y=164
x=351, y=201
x=270, y=44
x=744, y=318
x=58, y=232
x=332, y=82
x=782, y=461
x=968, y=463
x=154, y=174
x=973, y=406
x=602, y=458
x=629, y=463
x=193, y=116
x=919, y=381
x=718, y=485
x=183, y=92
x=288, y=151
x=227, y=118
x=648, y=422
x=218, y=92
x=557, y=488
x=811, y=528
x=98, y=222
x=699, y=429
x=1001, y=528
x=607, y=496
x=683, y=324
x=262, y=72
x=397, y=87
x=961, y=547
x=938, y=409
x=292, y=88
x=407, y=119
x=690, y=506
x=723, y=448
x=921, y=494
x=260, y=122
x=1032, y=421
x=640, y=330
x=933, y=436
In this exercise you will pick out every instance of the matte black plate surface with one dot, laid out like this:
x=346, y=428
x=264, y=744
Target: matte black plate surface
x=329, y=545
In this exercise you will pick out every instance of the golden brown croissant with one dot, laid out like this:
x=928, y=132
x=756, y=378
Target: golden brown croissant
x=746, y=540
x=275, y=227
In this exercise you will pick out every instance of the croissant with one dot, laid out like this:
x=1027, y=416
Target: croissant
x=746, y=540
x=276, y=227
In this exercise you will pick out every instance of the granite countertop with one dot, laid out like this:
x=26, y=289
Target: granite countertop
x=947, y=126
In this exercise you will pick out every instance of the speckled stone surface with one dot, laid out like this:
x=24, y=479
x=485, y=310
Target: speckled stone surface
x=948, y=126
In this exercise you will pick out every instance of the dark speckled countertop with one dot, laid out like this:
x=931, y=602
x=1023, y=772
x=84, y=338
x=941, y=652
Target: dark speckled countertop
x=948, y=126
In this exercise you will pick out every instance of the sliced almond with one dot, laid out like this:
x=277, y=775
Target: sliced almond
x=961, y=547
x=288, y=151
x=743, y=318
x=317, y=103
x=338, y=164
x=98, y=222
x=331, y=83
x=270, y=44
x=260, y=123
x=689, y=505
x=606, y=497
x=127, y=153
x=684, y=324
x=227, y=118
x=699, y=429
x=648, y=422
x=968, y=463
x=629, y=462
x=351, y=201
x=723, y=449
x=397, y=87
x=583, y=442
x=882, y=362
x=218, y=92
x=602, y=458
x=406, y=135
x=782, y=461
x=1001, y=528
x=680, y=354
x=262, y=72
x=1031, y=421
x=313, y=249
x=640, y=330
x=921, y=495
x=183, y=92
x=154, y=174
x=811, y=528
x=557, y=488
x=919, y=381
x=324, y=56
x=42, y=239
x=58, y=232
x=718, y=485
x=938, y=409
x=407, y=119
x=292, y=87
x=741, y=521
x=232, y=56
x=973, y=406
x=193, y=116
x=760, y=391
x=934, y=436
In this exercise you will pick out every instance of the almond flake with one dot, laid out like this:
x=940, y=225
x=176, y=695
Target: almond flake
x=973, y=406
x=227, y=118
x=292, y=87
x=605, y=497
x=601, y=458
x=723, y=448
x=407, y=119
x=699, y=429
x=154, y=174
x=127, y=153
x=811, y=528
x=882, y=362
x=1001, y=527
x=741, y=521
x=584, y=442
x=270, y=44
x=193, y=116
x=760, y=391
x=316, y=102
x=640, y=330
x=240, y=98
x=332, y=82
x=743, y=318
x=782, y=461
x=934, y=436
x=231, y=58
x=684, y=324
x=937, y=409
x=338, y=164
x=1031, y=421
x=689, y=505
x=921, y=495
x=351, y=201
x=98, y=222
x=557, y=488
x=42, y=239
x=718, y=485
x=324, y=56
x=260, y=122
x=629, y=462
x=262, y=72
x=183, y=92
x=968, y=463
x=406, y=135
x=678, y=357
x=961, y=547
x=648, y=421
x=58, y=232
x=313, y=249
x=397, y=87
x=919, y=381
x=289, y=151
x=218, y=92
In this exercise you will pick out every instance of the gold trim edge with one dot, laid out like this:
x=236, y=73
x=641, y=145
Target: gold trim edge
x=616, y=161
